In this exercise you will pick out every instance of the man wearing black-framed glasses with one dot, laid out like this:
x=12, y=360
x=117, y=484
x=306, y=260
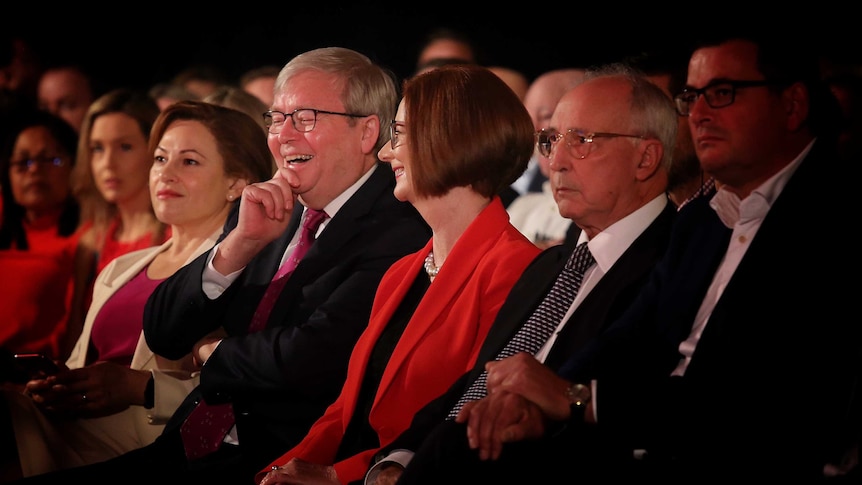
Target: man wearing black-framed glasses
x=303, y=119
x=742, y=322
x=717, y=94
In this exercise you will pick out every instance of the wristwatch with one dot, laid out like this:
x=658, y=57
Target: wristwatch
x=578, y=396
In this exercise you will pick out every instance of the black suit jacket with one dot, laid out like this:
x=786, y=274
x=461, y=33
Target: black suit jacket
x=767, y=391
x=604, y=303
x=281, y=379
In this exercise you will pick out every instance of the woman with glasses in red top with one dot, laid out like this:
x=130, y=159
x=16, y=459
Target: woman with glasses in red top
x=38, y=234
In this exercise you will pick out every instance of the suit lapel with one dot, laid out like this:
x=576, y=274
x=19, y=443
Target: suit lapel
x=261, y=270
x=617, y=287
x=340, y=231
x=525, y=296
x=763, y=261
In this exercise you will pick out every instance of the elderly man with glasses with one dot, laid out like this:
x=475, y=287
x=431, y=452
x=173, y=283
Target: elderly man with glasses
x=610, y=145
x=740, y=359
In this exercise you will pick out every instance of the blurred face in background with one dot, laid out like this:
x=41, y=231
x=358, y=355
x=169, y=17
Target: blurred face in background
x=262, y=88
x=67, y=94
x=119, y=158
x=445, y=49
x=42, y=185
x=541, y=100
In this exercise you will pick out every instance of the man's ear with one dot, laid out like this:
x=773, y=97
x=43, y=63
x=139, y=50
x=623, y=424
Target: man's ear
x=796, y=105
x=370, y=133
x=651, y=151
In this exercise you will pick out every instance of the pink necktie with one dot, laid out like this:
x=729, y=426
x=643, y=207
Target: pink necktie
x=313, y=218
x=205, y=428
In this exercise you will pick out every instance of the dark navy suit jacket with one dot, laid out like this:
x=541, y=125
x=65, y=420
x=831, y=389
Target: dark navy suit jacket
x=281, y=379
x=767, y=390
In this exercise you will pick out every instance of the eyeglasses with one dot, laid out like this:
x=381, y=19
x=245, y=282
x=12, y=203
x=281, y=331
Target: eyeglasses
x=395, y=136
x=24, y=165
x=303, y=119
x=579, y=143
x=718, y=95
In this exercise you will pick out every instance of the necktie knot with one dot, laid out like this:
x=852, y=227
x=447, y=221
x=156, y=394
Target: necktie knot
x=313, y=219
x=581, y=259
x=311, y=222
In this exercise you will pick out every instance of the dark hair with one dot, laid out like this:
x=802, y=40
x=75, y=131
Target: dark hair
x=672, y=64
x=455, y=35
x=239, y=138
x=95, y=85
x=788, y=59
x=465, y=127
x=12, y=226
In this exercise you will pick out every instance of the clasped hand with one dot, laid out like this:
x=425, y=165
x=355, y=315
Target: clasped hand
x=523, y=395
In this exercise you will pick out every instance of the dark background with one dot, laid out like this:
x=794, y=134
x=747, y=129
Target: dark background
x=140, y=44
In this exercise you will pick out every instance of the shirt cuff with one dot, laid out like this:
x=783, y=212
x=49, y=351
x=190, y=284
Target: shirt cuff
x=213, y=282
x=400, y=457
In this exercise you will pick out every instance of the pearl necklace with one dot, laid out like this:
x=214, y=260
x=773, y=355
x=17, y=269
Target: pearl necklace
x=430, y=268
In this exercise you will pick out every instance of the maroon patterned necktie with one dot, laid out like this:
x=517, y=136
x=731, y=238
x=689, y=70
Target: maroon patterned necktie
x=206, y=426
x=313, y=219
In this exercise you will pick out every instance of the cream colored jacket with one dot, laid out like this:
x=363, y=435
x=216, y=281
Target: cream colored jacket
x=45, y=445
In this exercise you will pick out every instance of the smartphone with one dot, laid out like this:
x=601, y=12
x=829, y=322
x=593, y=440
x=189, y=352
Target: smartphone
x=36, y=366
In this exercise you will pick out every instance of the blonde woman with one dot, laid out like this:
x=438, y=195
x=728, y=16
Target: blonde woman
x=116, y=394
x=110, y=182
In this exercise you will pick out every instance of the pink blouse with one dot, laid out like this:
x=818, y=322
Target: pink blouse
x=118, y=325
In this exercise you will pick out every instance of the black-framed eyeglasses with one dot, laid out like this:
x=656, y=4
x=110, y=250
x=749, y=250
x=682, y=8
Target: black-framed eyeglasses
x=395, y=136
x=24, y=165
x=717, y=95
x=580, y=144
x=304, y=119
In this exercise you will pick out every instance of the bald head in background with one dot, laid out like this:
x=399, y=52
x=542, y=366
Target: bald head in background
x=542, y=97
x=516, y=80
x=546, y=90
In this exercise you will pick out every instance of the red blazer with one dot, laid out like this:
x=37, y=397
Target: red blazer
x=440, y=342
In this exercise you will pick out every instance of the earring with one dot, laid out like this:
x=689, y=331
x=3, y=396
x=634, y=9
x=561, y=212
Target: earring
x=230, y=197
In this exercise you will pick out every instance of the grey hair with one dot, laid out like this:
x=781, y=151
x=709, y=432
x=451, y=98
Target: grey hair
x=652, y=112
x=368, y=88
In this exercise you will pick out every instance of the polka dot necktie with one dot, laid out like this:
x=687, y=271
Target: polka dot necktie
x=541, y=324
x=206, y=426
